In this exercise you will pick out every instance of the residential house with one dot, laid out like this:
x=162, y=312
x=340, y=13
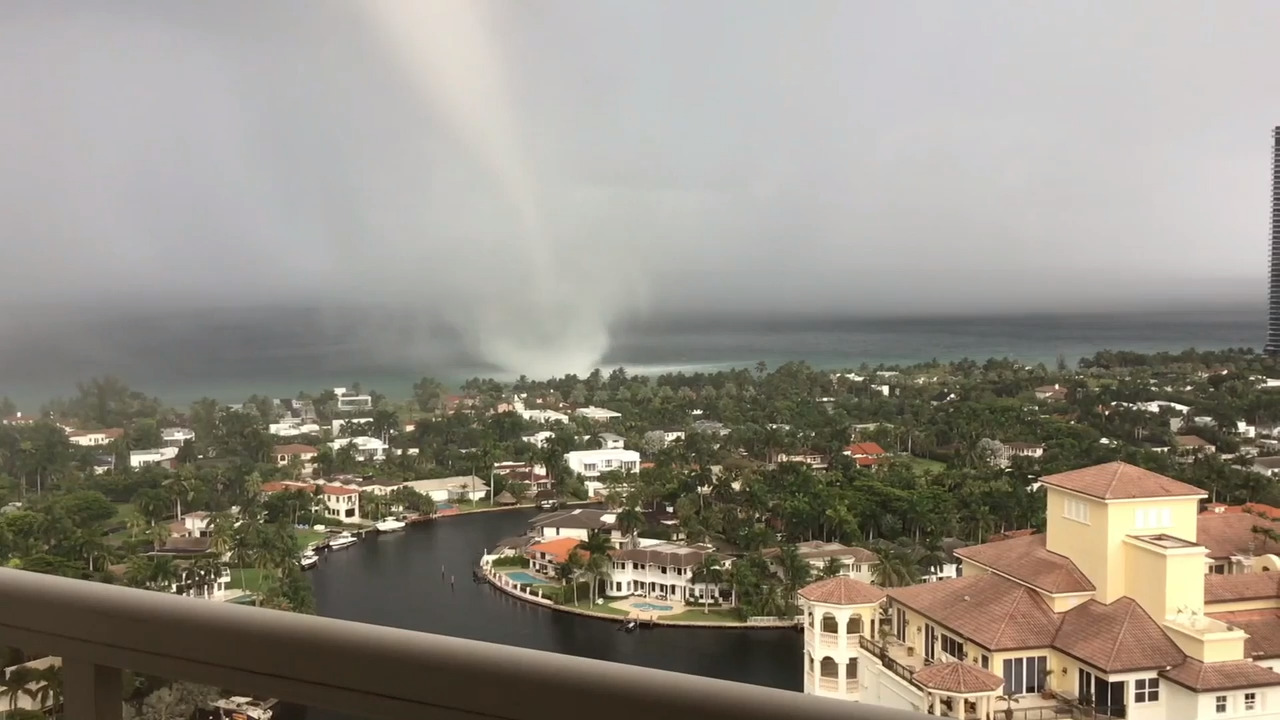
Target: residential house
x=94, y=438
x=865, y=453
x=576, y=523
x=538, y=439
x=855, y=562
x=837, y=612
x=19, y=419
x=943, y=396
x=545, y=417
x=658, y=439
x=341, y=503
x=292, y=427
x=196, y=524
x=666, y=571
x=1267, y=465
x=304, y=455
x=365, y=448
x=336, y=425
x=1110, y=611
x=711, y=427
x=163, y=456
x=808, y=457
x=1193, y=445
x=459, y=488
x=177, y=436
x=591, y=463
x=350, y=401
x=611, y=441
x=1023, y=449
x=597, y=414
x=184, y=550
x=1052, y=393
x=1235, y=536
x=545, y=555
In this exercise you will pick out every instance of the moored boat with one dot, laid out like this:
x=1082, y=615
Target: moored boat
x=342, y=540
x=389, y=524
x=308, y=560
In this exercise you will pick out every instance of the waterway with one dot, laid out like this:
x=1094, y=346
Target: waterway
x=395, y=580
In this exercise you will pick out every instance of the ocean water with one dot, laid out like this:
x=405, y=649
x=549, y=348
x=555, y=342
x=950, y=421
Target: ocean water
x=230, y=358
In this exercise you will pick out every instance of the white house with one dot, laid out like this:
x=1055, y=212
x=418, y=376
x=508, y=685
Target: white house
x=576, y=523
x=447, y=489
x=854, y=562
x=597, y=414
x=365, y=448
x=176, y=436
x=590, y=463
x=291, y=427
x=544, y=416
x=337, y=425
x=538, y=439
x=305, y=454
x=666, y=571
x=663, y=438
x=348, y=401
x=342, y=503
x=94, y=438
x=611, y=441
x=152, y=456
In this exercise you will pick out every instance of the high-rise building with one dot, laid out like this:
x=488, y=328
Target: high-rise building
x=1273, y=294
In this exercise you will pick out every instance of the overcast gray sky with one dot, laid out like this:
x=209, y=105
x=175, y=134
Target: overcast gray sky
x=582, y=160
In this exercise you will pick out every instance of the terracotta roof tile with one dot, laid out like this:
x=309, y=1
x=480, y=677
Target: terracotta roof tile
x=1120, y=637
x=1027, y=560
x=558, y=549
x=959, y=678
x=993, y=611
x=865, y=448
x=1247, y=586
x=842, y=590
x=1120, y=481
x=1209, y=677
x=1263, y=627
x=1227, y=534
x=294, y=449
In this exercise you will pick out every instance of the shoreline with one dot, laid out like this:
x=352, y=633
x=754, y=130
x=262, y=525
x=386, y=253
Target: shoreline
x=617, y=619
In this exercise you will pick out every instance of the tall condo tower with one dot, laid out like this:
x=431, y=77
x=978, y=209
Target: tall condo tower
x=1273, y=309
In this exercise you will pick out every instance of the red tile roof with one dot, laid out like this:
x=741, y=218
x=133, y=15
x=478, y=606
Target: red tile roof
x=1263, y=627
x=1247, y=508
x=1027, y=560
x=993, y=611
x=1120, y=481
x=1115, y=638
x=842, y=590
x=1227, y=534
x=865, y=448
x=558, y=549
x=1247, y=586
x=958, y=677
x=294, y=449
x=333, y=490
x=1220, y=676
x=1011, y=534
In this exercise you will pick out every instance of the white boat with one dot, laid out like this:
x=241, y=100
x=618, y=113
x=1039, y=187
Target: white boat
x=239, y=707
x=341, y=540
x=389, y=524
x=308, y=560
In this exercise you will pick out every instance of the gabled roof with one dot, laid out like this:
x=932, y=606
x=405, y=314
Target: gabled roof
x=1027, y=560
x=1115, y=638
x=1220, y=676
x=558, y=548
x=865, y=448
x=958, y=678
x=1120, y=481
x=993, y=611
x=842, y=590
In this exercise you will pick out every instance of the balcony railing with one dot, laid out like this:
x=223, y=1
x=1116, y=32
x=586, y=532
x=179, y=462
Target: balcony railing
x=882, y=654
x=362, y=670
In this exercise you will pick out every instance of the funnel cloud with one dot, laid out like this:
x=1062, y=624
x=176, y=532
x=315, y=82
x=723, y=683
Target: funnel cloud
x=514, y=185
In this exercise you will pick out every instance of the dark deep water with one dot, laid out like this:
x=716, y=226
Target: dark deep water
x=395, y=580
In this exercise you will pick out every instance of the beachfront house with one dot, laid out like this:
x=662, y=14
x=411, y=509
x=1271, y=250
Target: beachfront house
x=666, y=571
x=459, y=488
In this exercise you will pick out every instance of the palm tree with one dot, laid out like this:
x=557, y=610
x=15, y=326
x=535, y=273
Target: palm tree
x=895, y=566
x=708, y=573
x=831, y=568
x=597, y=547
x=795, y=572
x=629, y=521
x=49, y=694
x=566, y=572
x=16, y=684
x=180, y=486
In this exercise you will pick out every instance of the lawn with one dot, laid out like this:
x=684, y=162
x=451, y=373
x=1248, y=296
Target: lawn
x=715, y=616
x=246, y=579
x=606, y=609
x=306, y=536
x=124, y=511
x=923, y=465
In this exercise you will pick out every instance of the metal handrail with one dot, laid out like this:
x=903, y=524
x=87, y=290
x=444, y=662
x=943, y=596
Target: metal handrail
x=365, y=670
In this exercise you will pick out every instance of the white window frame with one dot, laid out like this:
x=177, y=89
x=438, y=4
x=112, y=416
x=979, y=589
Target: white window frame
x=1076, y=509
x=1250, y=702
x=1146, y=691
x=1221, y=703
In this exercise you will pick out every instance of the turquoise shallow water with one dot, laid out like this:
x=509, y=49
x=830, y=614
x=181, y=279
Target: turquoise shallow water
x=281, y=356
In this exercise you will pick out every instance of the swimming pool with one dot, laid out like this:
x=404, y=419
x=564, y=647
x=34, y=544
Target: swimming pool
x=651, y=607
x=525, y=578
x=444, y=506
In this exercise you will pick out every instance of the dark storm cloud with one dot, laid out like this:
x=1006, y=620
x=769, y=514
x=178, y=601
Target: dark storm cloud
x=752, y=156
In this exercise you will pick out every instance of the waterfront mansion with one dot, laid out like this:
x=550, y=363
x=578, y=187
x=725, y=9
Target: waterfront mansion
x=1119, y=610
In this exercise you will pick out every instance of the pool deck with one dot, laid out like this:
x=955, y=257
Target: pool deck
x=646, y=613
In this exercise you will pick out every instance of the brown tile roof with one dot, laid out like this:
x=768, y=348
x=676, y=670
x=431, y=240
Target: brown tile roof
x=958, y=677
x=1027, y=560
x=1263, y=627
x=1120, y=481
x=1227, y=534
x=294, y=449
x=1209, y=677
x=1191, y=441
x=668, y=554
x=331, y=490
x=1115, y=638
x=993, y=611
x=1256, y=508
x=1011, y=534
x=842, y=590
x=1247, y=586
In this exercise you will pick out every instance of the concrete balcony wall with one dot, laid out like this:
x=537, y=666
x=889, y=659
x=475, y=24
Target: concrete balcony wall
x=362, y=670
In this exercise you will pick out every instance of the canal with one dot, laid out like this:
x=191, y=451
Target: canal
x=396, y=580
